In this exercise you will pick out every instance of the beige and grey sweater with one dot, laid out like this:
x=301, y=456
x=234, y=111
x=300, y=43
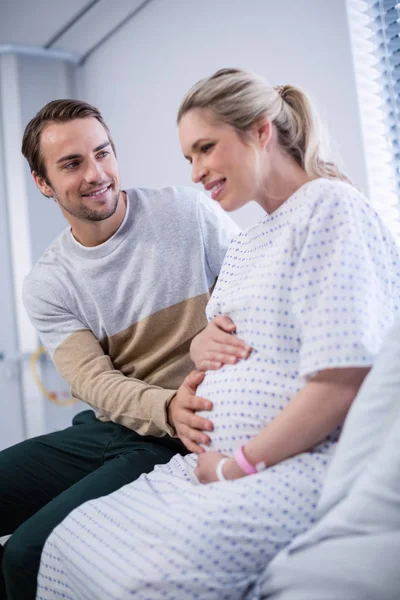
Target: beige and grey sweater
x=118, y=319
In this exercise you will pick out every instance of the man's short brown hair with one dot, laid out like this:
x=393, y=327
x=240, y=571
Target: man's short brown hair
x=57, y=111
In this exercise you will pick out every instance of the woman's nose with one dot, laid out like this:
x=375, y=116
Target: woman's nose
x=198, y=172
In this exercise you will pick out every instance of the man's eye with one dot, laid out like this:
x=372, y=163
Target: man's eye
x=103, y=154
x=71, y=165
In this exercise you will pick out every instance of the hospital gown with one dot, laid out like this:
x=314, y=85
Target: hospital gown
x=312, y=286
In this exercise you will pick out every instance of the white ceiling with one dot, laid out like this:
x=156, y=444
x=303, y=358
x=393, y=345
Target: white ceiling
x=74, y=26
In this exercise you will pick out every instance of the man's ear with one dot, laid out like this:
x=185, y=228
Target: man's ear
x=264, y=131
x=42, y=185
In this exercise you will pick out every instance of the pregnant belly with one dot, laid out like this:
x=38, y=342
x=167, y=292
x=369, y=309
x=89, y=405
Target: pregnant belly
x=244, y=402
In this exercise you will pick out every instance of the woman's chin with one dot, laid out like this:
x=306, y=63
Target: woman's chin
x=229, y=203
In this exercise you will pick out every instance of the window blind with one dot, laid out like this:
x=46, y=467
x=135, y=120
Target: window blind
x=375, y=35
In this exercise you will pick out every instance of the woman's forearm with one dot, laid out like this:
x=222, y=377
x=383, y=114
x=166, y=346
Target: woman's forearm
x=308, y=418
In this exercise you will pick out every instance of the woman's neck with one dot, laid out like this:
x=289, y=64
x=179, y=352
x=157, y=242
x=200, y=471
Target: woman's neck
x=283, y=179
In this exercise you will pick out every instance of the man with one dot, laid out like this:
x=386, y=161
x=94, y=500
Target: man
x=116, y=299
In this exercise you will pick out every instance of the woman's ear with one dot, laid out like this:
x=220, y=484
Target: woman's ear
x=264, y=131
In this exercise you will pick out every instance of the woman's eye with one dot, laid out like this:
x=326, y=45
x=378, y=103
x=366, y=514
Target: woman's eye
x=204, y=149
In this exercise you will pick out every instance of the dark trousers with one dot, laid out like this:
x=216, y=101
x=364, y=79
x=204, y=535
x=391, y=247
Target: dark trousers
x=43, y=479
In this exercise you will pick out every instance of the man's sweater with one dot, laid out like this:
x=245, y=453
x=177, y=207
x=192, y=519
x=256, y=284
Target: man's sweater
x=118, y=318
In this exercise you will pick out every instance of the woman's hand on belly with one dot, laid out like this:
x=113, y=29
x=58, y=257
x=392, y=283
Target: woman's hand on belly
x=216, y=346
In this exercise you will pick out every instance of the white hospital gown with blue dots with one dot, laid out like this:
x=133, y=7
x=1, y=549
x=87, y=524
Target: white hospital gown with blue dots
x=312, y=286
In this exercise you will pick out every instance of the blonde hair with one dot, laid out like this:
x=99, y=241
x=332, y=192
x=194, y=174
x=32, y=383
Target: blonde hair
x=240, y=99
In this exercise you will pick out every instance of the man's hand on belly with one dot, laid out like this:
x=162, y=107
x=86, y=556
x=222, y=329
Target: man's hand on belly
x=182, y=414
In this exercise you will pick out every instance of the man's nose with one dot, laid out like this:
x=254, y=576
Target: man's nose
x=94, y=172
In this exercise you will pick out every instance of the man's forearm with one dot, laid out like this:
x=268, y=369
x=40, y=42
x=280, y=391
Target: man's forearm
x=125, y=400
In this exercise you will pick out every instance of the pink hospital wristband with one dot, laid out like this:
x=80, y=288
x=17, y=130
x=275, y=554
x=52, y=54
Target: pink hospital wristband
x=245, y=465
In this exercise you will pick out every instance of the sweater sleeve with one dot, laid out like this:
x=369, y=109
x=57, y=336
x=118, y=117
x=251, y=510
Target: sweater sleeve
x=81, y=361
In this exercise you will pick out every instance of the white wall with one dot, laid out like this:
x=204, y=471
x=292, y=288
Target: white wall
x=29, y=224
x=12, y=426
x=138, y=77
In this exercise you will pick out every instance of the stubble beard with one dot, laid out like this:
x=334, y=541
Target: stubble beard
x=88, y=214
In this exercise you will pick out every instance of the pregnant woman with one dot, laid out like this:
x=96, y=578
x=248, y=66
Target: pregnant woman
x=312, y=289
